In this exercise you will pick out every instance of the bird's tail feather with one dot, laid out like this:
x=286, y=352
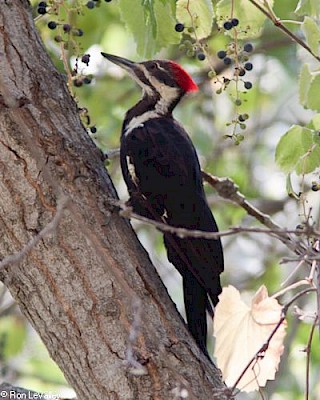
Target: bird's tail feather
x=196, y=303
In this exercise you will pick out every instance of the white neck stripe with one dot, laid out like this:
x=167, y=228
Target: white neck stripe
x=138, y=121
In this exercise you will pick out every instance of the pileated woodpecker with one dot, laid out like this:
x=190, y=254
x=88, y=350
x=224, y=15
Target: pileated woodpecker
x=162, y=172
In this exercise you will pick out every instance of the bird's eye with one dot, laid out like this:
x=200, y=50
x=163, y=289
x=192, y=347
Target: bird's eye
x=153, y=66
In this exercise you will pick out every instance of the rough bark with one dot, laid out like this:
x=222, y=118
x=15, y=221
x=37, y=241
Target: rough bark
x=78, y=286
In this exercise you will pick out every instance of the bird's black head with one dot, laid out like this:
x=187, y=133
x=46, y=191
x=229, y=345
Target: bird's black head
x=165, y=82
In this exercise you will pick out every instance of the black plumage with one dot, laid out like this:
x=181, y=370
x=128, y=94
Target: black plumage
x=162, y=172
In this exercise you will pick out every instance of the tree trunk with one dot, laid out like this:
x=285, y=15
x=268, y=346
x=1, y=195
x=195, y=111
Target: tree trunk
x=88, y=288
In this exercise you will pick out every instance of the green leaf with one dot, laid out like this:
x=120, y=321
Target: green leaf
x=313, y=99
x=151, y=23
x=308, y=7
x=315, y=122
x=165, y=16
x=298, y=150
x=309, y=88
x=312, y=34
x=197, y=14
x=304, y=84
x=250, y=18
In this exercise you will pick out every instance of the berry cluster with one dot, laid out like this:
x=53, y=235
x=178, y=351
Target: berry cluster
x=42, y=7
x=191, y=49
x=78, y=78
x=232, y=23
x=66, y=28
x=240, y=58
x=235, y=56
x=67, y=35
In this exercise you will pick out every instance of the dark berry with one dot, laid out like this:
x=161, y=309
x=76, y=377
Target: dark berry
x=58, y=38
x=248, y=85
x=42, y=10
x=42, y=4
x=201, y=56
x=87, y=80
x=179, y=27
x=235, y=21
x=93, y=129
x=90, y=4
x=241, y=118
x=78, y=32
x=228, y=25
x=52, y=25
x=315, y=186
x=248, y=47
x=77, y=82
x=242, y=72
x=85, y=59
x=248, y=66
x=227, y=61
x=66, y=28
x=221, y=54
x=107, y=1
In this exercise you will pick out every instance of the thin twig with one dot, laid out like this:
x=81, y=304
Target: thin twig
x=51, y=226
x=127, y=212
x=316, y=267
x=290, y=287
x=229, y=190
x=308, y=351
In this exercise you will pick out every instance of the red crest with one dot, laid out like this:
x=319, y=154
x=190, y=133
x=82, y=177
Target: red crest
x=183, y=78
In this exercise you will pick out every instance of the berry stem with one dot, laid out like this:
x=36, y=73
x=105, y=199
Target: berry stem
x=199, y=43
x=66, y=67
x=237, y=68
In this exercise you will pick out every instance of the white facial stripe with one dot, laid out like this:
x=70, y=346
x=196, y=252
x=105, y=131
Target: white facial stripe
x=167, y=93
x=167, y=96
x=162, y=69
x=145, y=87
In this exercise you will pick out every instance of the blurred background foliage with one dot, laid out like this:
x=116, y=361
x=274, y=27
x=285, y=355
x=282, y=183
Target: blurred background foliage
x=119, y=27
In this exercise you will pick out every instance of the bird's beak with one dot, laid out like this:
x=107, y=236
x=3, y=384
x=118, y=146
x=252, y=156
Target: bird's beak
x=122, y=62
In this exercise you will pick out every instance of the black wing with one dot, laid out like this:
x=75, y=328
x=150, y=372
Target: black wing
x=162, y=172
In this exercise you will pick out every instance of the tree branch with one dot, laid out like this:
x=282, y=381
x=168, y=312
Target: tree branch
x=277, y=22
x=228, y=189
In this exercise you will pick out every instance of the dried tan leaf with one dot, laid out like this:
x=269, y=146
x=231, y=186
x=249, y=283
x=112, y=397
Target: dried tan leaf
x=241, y=331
